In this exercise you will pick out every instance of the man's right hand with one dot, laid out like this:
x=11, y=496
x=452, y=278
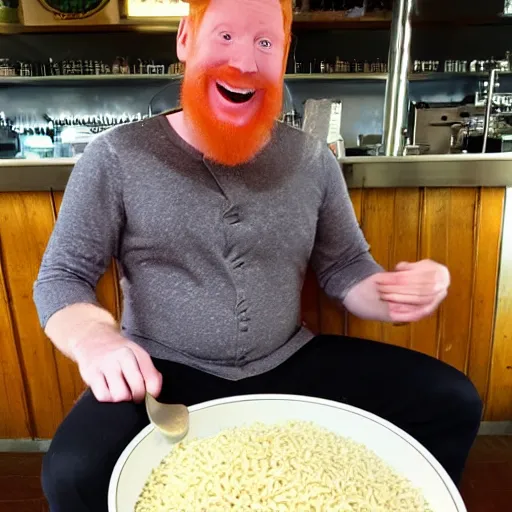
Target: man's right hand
x=116, y=369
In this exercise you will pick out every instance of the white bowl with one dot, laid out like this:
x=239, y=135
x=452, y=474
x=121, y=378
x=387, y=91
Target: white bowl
x=393, y=445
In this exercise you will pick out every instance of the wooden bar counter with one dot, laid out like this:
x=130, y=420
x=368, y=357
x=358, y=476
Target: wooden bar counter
x=453, y=210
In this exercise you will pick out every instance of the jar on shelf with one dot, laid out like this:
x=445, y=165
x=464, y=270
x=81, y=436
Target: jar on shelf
x=7, y=68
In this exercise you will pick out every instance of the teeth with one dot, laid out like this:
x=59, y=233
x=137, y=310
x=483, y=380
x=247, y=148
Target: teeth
x=236, y=89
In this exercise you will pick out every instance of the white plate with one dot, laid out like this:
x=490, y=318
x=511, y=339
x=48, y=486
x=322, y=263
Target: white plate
x=390, y=443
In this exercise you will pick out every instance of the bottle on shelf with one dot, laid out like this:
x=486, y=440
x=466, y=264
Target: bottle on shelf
x=116, y=66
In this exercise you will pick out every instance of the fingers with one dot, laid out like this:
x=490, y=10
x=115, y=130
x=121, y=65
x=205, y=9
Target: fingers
x=406, y=278
x=415, y=316
x=119, y=390
x=420, y=273
x=414, y=300
x=109, y=386
x=152, y=377
x=117, y=379
x=133, y=376
x=403, y=313
x=430, y=288
x=422, y=285
x=403, y=265
x=99, y=387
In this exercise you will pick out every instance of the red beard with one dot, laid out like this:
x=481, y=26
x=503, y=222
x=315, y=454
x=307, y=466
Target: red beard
x=220, y=141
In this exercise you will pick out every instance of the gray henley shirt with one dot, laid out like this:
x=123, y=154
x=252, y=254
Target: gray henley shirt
x=212, y=258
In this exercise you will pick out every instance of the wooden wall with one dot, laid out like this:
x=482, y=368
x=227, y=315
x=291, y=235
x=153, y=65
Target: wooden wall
x=459, y=227
x=462, y=229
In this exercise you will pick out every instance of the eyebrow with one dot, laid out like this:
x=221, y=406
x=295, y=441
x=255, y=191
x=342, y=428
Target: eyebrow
x=263, y=29
x=222, y=25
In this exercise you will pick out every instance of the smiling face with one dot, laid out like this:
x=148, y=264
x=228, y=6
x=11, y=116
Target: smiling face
x=233, y=85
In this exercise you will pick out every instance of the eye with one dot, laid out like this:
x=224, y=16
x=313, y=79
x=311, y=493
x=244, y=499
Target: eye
x=265, y=43
x=226, y=36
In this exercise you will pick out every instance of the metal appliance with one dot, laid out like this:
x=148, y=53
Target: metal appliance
x=9, y=142
x=9, y=139
x=438, y=127
x=446, y=128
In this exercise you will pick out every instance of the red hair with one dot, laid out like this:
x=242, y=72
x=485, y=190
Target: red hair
x=198, y=8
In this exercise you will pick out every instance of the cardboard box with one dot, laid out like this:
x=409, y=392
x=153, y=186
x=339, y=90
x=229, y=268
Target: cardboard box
x=57, y=12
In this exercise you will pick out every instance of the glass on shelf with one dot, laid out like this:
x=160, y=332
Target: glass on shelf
x=7, y=68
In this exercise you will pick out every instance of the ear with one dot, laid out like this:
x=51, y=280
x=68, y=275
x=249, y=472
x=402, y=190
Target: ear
x=183, y=39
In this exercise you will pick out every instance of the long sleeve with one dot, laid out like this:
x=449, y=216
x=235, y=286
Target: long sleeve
x=341, y=257
x=86, y=234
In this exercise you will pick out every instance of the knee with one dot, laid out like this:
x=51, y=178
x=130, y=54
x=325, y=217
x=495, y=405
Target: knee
x=459, y=397
x=64, y=472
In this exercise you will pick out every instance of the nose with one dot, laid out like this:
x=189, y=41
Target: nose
x=242, y=58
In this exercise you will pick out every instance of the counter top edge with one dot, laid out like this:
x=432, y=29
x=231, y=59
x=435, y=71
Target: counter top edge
x=466, y=157
x=481, y=170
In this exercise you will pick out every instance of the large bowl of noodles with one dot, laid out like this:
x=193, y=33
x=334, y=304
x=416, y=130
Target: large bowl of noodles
x=283, y=453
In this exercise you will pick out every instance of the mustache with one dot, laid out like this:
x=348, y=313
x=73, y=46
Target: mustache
x=236, y=78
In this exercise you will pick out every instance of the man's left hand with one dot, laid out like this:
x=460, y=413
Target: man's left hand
x=413, y=290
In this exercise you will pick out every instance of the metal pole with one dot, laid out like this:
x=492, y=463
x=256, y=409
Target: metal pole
x=488, y=107
x=395, y=105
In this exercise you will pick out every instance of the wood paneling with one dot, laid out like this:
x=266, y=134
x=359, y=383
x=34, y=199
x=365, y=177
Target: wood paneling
x=376, y=216
x=38, y=384
x=488, y=229
x=13, y=400
x=458, y=227
x=500, y=383
x=27, y=222
x=404, y=247
x=461, y=228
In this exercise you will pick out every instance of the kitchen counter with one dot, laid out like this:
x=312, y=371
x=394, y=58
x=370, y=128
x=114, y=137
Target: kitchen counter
x=18, y=175
x=469, y=170
x=462, y=170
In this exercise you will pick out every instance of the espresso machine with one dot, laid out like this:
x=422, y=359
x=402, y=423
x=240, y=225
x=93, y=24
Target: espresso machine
x=474, y=125
x=438, y=127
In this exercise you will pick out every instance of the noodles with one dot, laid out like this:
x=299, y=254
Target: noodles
x=292, y=467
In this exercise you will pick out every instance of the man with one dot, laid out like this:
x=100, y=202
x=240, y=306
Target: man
x=214, y=213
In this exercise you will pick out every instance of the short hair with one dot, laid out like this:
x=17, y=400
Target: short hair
x=198, y=8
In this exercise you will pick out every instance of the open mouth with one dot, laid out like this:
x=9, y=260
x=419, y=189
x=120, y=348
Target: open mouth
x=234, y=94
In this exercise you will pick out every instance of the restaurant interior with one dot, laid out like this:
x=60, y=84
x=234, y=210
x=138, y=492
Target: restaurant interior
x=419, y=93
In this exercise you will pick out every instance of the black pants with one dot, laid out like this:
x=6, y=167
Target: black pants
x=430, y=400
